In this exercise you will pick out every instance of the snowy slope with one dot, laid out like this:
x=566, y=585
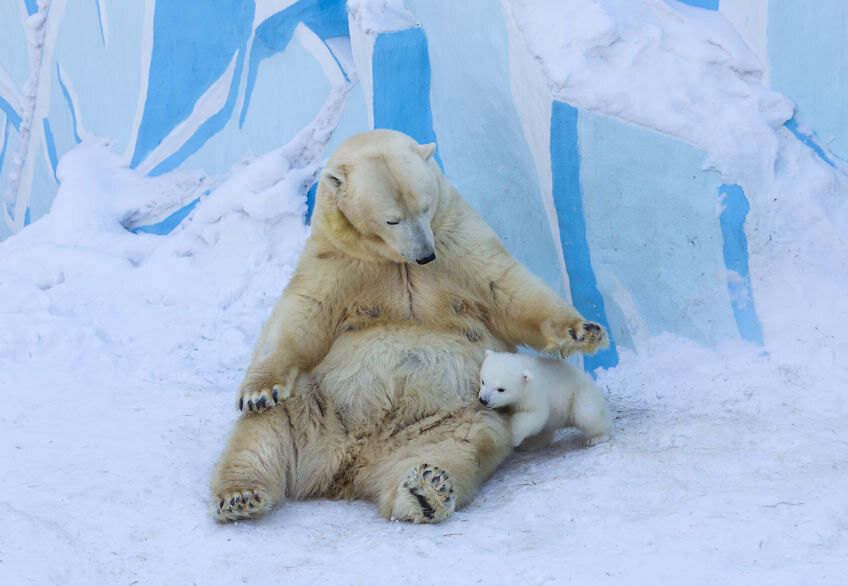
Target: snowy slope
x=120, y=353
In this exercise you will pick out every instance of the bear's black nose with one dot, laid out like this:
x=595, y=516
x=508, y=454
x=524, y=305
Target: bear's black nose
x=426, y=259
x=484, y=401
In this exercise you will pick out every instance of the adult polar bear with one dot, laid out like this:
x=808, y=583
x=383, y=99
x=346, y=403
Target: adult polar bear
x=363, y=383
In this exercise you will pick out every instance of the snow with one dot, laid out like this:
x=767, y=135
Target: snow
x=120, y=353
x=380, y=16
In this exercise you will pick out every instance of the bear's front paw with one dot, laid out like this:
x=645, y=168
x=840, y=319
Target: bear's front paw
x=564, y=337
x=240, y=504
x=259, y=393
x=425, y=495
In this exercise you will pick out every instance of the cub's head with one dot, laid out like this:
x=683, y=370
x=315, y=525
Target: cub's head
x=378, y=196
x=502, y=379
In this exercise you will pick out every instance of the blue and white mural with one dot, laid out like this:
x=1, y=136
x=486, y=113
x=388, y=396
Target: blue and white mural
x=644, y=230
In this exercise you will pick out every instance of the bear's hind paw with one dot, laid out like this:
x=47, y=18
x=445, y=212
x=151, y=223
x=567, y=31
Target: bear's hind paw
x=243, y=504
x=425, y=495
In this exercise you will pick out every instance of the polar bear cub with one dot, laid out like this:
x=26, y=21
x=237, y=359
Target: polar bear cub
x=543, y=394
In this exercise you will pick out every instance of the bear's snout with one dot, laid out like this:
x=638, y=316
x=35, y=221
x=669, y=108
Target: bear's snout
x=426, y=259
x=484, y=401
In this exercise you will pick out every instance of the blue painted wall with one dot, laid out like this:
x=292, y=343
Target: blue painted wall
x=808, y=53
x=708, y=4
x=630, y=223
x=480, y=136
x=654, y=236
x=401, y=85
x=568, y=196
x=735, y=208
x=179, y=77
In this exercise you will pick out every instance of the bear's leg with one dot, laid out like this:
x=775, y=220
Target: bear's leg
x=292, y=450
x=438, y=468
x=590, y=414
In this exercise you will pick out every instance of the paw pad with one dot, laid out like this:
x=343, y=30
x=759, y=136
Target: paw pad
x=432, y=490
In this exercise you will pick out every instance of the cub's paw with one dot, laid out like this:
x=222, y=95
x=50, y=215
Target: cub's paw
x=536, y=442
x=567, y=336
x=425, y=495
x=240, y=504
x=258, y=394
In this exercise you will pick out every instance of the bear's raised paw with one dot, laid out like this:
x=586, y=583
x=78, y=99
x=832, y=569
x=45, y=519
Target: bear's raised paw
x=565, y=338
x=425, y=495
x=243, y=504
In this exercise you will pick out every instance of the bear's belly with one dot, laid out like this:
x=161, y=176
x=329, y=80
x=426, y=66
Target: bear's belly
x=398, y=374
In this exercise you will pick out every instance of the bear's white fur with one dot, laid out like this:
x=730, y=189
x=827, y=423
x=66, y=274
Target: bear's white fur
x=543, y=395
x=363, y=380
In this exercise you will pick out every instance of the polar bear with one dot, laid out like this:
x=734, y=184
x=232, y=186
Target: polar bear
x=543, y=395
x=363, y=382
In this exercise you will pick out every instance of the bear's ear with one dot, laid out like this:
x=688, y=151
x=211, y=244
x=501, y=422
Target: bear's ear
x=526, y=376
x=335, y=176
x=425, y=150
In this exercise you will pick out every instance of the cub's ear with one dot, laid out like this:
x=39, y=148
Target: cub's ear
x=335, y=177
x=425, y=150
x=526, y=376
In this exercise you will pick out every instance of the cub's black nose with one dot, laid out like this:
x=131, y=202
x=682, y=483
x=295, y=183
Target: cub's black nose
x=426, y=259
x=484, y=401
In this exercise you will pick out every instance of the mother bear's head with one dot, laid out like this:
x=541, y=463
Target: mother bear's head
x=378, y=197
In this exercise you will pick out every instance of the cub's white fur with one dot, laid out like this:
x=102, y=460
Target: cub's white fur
x=544, y=395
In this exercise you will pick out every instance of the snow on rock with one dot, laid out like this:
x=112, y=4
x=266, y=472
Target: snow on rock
x=663, y=65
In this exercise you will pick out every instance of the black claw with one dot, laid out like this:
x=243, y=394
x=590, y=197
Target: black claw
x=427, y=474
x=274, y=394
x=261, y=402
x=241, y=404
x=572, y=333
x=232, y=501
x=220, y=505
x=426, y=508
x=250, y=405
x=591, y=327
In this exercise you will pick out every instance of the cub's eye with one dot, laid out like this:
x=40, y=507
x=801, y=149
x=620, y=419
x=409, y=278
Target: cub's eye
x=392, y=222
x=501, y=389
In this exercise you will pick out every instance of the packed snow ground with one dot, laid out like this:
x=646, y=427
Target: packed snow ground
x=120, y=354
